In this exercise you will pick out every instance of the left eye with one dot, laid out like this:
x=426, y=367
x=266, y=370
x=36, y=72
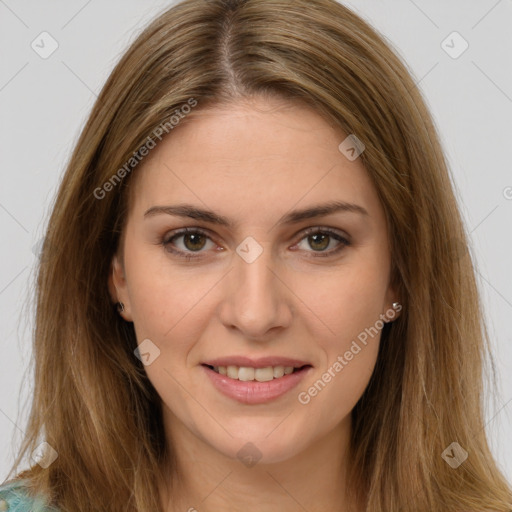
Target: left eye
x=320, y=239
x=194, y=240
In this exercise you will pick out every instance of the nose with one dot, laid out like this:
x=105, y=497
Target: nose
x=256, y=300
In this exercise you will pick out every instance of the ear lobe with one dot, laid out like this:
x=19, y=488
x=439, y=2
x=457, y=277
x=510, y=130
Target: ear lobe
x=117, y=286
x=392, y=297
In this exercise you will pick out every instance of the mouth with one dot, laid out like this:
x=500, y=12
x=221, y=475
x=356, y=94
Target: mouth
x=252, y=386
x=248, y=373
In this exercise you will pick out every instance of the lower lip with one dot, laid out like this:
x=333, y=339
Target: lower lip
x=254, y=392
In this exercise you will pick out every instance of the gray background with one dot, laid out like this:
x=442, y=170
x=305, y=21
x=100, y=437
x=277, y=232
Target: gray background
x=44, y=103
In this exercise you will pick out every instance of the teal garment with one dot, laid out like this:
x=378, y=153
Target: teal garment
x=14, y=498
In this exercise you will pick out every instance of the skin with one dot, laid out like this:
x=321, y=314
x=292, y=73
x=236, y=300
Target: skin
x=254, y=161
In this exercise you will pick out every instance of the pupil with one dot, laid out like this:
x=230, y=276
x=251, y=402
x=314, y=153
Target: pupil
x=325, y=239
x=188, y=237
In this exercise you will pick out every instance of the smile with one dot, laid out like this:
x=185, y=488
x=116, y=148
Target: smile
x=247, y=373
x=252, y=386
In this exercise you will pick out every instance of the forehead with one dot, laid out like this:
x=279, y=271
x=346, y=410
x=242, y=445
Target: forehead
x=250, y=156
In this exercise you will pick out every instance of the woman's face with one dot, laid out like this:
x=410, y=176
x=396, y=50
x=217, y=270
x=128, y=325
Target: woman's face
x=258, y=279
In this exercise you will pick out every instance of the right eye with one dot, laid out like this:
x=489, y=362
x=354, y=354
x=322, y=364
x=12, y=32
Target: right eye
x=193, y=241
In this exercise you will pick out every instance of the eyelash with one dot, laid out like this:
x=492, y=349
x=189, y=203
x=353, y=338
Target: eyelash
x=166, y=242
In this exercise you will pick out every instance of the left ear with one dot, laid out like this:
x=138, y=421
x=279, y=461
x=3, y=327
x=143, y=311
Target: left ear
x=118, y=288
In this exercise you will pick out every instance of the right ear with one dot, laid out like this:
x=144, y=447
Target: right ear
x=118, y=288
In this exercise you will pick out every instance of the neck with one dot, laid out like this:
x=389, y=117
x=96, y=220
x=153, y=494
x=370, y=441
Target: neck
x=206, y=480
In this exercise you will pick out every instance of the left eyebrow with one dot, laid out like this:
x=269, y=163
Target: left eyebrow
x=194, y=212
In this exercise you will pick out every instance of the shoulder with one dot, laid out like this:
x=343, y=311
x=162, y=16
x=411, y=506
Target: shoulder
x=14, y=497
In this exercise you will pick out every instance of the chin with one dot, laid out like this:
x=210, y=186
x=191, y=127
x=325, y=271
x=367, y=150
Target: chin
x=259, y=446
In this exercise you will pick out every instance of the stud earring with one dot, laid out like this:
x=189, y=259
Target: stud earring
x=391, y=314
x=120, y=307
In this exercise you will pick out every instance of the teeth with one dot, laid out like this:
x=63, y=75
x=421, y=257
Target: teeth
x=278, y=371
x=245, y=373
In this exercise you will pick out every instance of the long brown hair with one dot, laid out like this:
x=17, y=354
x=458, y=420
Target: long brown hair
x=93, y=403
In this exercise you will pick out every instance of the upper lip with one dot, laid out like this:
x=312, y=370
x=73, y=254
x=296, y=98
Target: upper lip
x=261, y=362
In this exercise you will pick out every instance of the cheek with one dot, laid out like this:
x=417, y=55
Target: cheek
x=163, y=296
x=347, y=329
x=344, y=300
x=348, y=361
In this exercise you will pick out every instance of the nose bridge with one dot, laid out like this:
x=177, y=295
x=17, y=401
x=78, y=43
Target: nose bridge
x=256, y=301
